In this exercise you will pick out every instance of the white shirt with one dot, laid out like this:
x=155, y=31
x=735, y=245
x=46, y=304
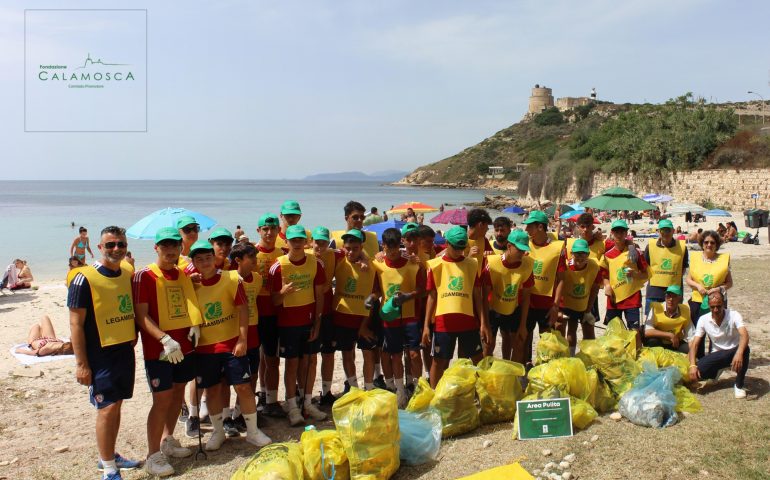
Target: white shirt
x=725, y=336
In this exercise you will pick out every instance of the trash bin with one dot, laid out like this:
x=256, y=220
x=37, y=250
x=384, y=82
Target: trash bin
x=755, y=218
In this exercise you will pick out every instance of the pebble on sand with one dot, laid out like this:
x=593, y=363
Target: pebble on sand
x=547, y=453
x=595, y=438
x=487, y=443
x=61, y=449
x=569, y=458
x=616, y=416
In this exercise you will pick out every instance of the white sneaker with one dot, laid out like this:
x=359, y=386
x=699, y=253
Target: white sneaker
x=157, y=465
x=295, y=417
x=313, y=412
x=740, y=392
x=215, y=440
x=259, y=439
x=171, y=447
x=402, y=399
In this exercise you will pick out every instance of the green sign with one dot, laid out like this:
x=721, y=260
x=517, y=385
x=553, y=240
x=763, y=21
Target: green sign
x=544, y=418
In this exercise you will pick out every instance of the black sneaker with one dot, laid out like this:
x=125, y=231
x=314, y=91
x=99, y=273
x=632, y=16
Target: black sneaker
x=240, y=423
x=379, y=382
x=261, y=401
x=347, y=388
x=327, y=399
x=410, y=389
x=206, y=420
x=231, y=430
x=184, y=414
x=274, y=410
x=193, y=427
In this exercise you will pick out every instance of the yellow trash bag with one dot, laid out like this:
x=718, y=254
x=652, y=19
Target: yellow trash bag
x=550, y=346
x=422, y=396
x=615, y=328
x=498, y=388
x=367, y=423
x=685, y=400
x=614, y=356
x=601, y=397
x=566, y=374
x=323, y=455
x=455, y=399
x=663, y=357
x=277, y=461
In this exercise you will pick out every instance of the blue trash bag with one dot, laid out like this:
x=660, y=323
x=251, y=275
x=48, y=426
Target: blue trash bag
x=651, y=401
x=420, y=436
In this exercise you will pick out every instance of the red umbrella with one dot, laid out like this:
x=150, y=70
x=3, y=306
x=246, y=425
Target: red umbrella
x=574, y=218
x=417, y=207
x=457, y=216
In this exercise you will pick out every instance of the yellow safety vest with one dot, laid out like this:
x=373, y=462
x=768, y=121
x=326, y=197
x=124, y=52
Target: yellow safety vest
x=454, y=285
x=596, y=249
x=371, y=245
x=113, y=305
x=71, y=275
x=183, y=262
x=252, y=289
x=481, y=244
x=546, y=262
x=352, y=288
x=620, y=283
x=498, y=251
x=264, y=262
x=127, y=266
x=665, y=323
x=217, y=304
x=666, y=264
x=577, y=286
x=177, y=303
x=302, y=276
x=507, y=282
x=402, y=279
x=709, y=274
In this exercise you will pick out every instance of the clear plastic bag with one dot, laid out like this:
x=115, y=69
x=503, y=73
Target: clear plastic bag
x=651, y=402
x=278, y=461
x=551, y=345
x=323, y=455
x=498, y=388
x=455, y=399
x=420, y=436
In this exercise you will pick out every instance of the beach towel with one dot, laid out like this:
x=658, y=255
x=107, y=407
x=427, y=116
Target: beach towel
x=32, y=360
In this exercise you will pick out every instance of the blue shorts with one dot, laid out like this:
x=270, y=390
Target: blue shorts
x=537, y=316
x=412, y=335
x=347, y=338
x=112, y=376
x=253, y=355
x=468, y=343
x=326, y=336
x=161, y=375
x=393, y=339
x=504, y=323
x=268, y=334
x=631, y=315
x=294, y=341
x=211, y=367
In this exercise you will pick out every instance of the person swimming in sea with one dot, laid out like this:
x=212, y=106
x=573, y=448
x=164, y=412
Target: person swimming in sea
x=80, y=244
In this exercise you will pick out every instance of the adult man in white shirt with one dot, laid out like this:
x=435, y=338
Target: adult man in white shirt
x=730, y=341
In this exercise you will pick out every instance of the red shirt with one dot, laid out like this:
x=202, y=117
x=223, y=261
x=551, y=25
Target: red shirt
x=252, y=341
x=295, y=316
x=635, y=300
x=455, y=322
x=544, y=302
x=145, y=291
x=240, y=299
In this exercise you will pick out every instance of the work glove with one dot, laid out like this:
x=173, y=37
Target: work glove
x=171, y=349
x=589, y=319
x=194, y=335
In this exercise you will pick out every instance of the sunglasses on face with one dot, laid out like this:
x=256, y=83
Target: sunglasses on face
x=357, y=217
x=710, y=243
x=111, y=245
x=191, y=228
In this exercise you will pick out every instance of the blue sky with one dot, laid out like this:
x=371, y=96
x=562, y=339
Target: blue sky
x=251, y=89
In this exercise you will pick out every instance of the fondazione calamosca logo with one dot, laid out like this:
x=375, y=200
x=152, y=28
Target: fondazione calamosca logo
x=90, y=74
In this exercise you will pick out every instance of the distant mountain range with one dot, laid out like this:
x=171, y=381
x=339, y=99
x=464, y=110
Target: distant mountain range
x=383, y=176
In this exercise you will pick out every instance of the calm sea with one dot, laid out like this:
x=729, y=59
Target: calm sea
x=36, y=216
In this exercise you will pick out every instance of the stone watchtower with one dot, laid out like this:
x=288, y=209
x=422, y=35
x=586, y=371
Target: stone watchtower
x=541, y=98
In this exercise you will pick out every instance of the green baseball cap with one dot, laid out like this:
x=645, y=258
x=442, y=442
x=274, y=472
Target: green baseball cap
x=185, y=220
x=290, y=207
x=409, y=227
x=457, y=237
x=665, y=223
x=268, y=220
x=321, y=233
x=675, y=289
x=536, y=216
x=295, y=231
x=220, y=232
x=519, y=239
x=201, y=246
x=619, y=223
x=580, y=245
x=167, y=233
x=355, y=233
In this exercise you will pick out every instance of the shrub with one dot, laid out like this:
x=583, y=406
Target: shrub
x=549, y=116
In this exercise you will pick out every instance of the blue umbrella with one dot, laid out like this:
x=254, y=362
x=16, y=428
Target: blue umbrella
x=166, y=217
x=717, y=212
x=514, y=209
x=572, y=213
x=378, y=228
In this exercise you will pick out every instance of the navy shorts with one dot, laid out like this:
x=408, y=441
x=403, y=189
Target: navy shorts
x=468, y=342
x=572, y=315
x=326, y=336
x=504, y=323
x=268, y=334
x=253, y=355
x=393, y=339
x=412, y=335
x=539, y=317
x=161, y=374
x=294, y=341
x=347, y=338
x=211, y=367
x=112, y=376
x=632, y=316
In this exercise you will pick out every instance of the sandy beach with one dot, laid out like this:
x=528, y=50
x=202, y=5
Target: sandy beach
x=729, y=439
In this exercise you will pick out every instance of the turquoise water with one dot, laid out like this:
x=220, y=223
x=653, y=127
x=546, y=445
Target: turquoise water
x=36, y=215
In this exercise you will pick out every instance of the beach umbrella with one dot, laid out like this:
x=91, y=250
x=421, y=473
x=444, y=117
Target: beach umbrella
x=417, y=207
x=457, y=216
x=562, y=209
x=618, y=198
x=572, y=213
x=575, y=206
x=682, y=208
x=380, y=227
x=664, y=199
x=651, y=197
x=515, y=209
x=166, y=217
x=717, y=212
